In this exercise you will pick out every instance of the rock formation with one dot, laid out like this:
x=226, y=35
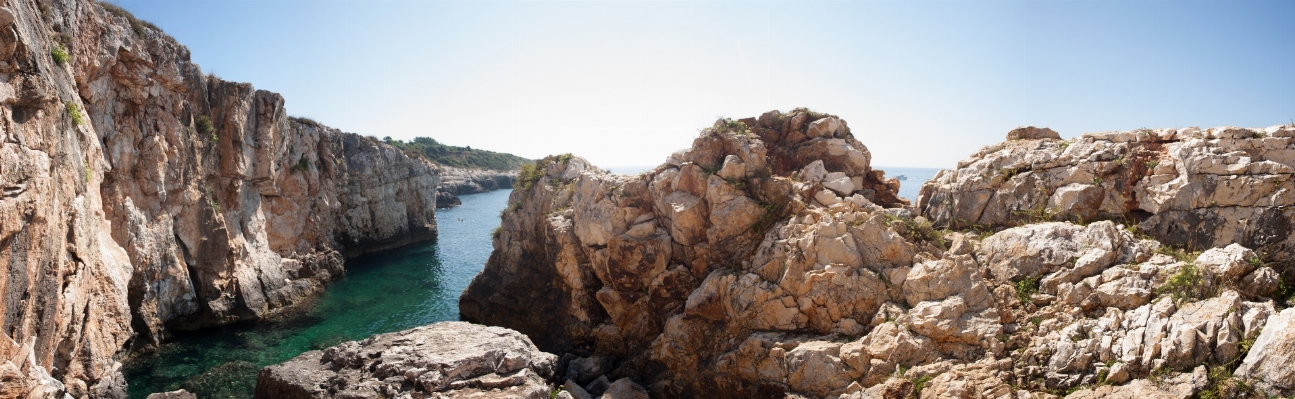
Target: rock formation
x=448, y=359
x=462, y=181
x=1186, y=187
x=142, y=196
x=770, y=260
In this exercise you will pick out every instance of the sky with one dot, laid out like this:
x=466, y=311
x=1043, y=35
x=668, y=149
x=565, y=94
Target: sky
x=921, y=84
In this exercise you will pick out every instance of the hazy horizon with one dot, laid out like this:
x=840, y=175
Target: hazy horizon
x=625, y=84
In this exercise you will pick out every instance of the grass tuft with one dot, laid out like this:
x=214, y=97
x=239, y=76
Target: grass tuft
x=74, y=112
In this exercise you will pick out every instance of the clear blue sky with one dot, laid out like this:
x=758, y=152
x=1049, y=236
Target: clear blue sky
x=625, y=84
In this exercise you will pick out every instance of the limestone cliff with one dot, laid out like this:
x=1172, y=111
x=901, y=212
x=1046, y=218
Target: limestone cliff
x=1186, y=187
x=462, y=181
x=770, y=260
x=142, y=196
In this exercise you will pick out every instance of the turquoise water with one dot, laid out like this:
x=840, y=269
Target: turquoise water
x=390, y=291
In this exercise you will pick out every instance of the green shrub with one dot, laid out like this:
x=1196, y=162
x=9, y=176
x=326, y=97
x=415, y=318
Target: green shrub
x=204, y=125
x=74, y=112
x=59, y=54
x=462, y=157
x=1025, y=288
x=533, y=172
x=136, y=24
x=1184, y=284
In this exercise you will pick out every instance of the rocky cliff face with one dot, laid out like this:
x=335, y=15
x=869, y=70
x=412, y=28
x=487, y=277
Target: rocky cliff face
x=770, y=260
x=462, y=181
x=141, y=196
x=1186, y=187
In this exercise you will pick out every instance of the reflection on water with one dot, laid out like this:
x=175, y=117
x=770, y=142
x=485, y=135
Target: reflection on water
x=390, y=291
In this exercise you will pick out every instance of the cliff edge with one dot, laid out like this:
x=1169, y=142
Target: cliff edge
x=142, y=196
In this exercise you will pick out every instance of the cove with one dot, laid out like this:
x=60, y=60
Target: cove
x=390, y=291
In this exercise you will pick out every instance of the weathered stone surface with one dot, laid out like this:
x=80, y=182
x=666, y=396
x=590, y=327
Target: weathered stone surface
x=181, y=394
x=1269, y=361
x=1188, y=187
x=1032, y=133
x=629, y=256
x=139, y=195
x=455, y=359
x=794, y=276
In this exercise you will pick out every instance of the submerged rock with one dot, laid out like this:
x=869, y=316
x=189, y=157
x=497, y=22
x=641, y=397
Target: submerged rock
x=448, y=359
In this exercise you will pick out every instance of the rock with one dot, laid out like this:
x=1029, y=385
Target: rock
x=787, y=280
x=814, y=172
x=1032, y=133
x=625, y=388
x=598, y=386
x=825, y=127
x=142, y=195
x=1118, y=374
x=576, y=391
x=181, y=394
x=839, y=183
x=1230, y=262
x=586, y=369
x=451, y=358
x=1269, y=359
x=1180, y=184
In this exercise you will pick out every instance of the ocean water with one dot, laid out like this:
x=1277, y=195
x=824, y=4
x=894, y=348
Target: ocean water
x=390, y=291
x=909, y=187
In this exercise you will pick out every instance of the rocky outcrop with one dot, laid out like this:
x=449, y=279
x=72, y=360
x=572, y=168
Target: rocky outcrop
x=770, y=260
x=1186, y=187
x=448, y=359
x=142, y=196
x=461, y=181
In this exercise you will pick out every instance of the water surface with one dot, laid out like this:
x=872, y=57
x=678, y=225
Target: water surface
x=915, y=177
x=390, y=291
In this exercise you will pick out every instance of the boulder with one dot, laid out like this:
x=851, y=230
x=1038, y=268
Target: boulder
x=448, y=358
x=1032, y=133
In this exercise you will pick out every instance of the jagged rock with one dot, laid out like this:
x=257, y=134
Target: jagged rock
x=775, y=264
x=576, y=391
x=1270, y=358
x=1032, y=133
x=181, y=394
x=689, y=222
x=449, y=358
x=625, y=388
x=1186, y=187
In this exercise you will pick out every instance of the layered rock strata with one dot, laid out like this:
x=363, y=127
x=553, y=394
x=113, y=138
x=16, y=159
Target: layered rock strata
x=1186, y=187
x=770, y=260
x=142, y=196
x=461, y=181
x=442, y=360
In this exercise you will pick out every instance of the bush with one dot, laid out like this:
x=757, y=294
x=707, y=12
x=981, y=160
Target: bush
x=1184, y=284
x=74, y=111
x=1025, y=288
x=462, y=157
x=136, y=24
x=533, y=172
x=60, y=54
x=204, y=125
